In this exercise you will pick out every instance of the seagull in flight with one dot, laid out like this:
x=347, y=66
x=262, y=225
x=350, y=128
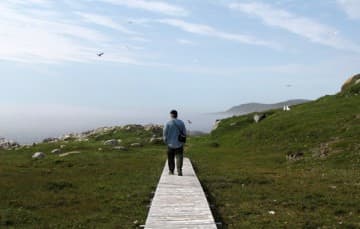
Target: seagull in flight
x=190, y=122
x=288, y=85
x=100, y=54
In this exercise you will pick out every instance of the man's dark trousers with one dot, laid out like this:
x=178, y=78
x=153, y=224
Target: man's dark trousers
x=178, y=153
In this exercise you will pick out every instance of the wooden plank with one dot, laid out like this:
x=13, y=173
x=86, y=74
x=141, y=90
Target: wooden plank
x=179, y=202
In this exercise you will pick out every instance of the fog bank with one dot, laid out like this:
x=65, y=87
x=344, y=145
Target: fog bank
x=29, y=124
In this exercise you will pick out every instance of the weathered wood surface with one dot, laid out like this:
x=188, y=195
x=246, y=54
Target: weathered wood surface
x=179, y=202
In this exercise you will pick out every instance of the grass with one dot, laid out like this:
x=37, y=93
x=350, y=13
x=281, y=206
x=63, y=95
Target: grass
x=243, y=167
x=93, y=189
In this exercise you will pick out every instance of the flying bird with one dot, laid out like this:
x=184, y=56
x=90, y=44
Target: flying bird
x=190, y=122
x=100, y=54
x=288, y=85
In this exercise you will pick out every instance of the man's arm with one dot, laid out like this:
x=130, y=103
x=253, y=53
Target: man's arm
x=165, y=132
x=184, y=129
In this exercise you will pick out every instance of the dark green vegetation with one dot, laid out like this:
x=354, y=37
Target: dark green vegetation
x=93, y=189
x=244, y=167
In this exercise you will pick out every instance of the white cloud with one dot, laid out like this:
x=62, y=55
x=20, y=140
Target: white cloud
x=351, y=7
x=302, y=26
x=185, y=42
x=30, y=2
x=104, y=21
x=212, y=32
x=152, y=6
x=27, y=35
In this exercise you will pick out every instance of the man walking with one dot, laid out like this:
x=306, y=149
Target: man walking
x=174, y=137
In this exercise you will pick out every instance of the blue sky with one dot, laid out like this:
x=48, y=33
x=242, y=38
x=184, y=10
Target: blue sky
x=193, y=55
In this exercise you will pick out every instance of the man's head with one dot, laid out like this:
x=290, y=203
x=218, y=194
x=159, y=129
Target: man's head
x=173, y=114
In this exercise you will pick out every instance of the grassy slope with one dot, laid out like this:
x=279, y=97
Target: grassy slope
x=94, y=189
x=243, y=167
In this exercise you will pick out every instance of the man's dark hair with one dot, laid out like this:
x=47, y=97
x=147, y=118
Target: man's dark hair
x=174, y=113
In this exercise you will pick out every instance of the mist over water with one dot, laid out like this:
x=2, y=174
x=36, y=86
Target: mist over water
x=33, y=125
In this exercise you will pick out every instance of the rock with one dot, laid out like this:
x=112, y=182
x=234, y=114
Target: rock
x=38, y=155
x=136, y=145
x=324, y=150
x=259, y=117
x=69, y=153
x=155, y=140
x=111, y=142
x=216, y=125
x=56, y=151
x=62, y=146
x=332, y=186
x=100, y=149
x=156, y=129
x=48, y=140
x=133, y=127
x=351, y=81
x=123, y=148
x=294, y=156
x=67, y=137
x=8, y=144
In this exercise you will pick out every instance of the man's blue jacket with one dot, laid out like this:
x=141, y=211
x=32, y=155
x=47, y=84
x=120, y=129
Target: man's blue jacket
x=172, y=131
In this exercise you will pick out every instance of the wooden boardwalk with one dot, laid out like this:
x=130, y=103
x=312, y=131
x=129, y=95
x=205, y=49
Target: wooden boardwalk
x=179, y=202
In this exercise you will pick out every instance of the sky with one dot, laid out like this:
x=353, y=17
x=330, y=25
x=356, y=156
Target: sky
x=197, y=56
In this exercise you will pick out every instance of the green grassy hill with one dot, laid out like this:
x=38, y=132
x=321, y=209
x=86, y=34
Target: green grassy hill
x=244, y=167
x=97, y=188
x=252, y=183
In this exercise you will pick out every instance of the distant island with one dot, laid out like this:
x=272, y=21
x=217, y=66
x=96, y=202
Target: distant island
x=260, y=107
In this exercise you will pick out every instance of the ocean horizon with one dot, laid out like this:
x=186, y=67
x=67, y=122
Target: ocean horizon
x=29, y=128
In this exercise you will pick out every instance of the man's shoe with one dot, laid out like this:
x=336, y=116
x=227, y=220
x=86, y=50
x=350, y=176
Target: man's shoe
x=171, y=173
x=180, y=174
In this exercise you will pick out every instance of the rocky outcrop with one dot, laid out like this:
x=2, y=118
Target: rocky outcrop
x=136, y=144
x=259, y=117
x=56, y=151
x=353, y=80
x=123, y=148
x=38, y=155
x=8, y=144
x=111, y=142
x=102, y=131
x=48, y=140
x=156, y=140
x=69, y=153
x=153, y=128
x=216, y=125
x=133, y=127
x=294, y=156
